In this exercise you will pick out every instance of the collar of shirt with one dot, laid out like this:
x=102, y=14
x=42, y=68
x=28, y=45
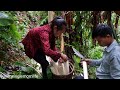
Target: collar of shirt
x=113, y=44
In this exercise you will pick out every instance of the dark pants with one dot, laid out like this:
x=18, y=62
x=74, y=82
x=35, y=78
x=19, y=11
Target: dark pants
x=97, y=78
x=79, y=77
x=41, y=59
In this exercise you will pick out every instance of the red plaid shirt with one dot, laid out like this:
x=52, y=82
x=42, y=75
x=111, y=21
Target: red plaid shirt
x=41, y=38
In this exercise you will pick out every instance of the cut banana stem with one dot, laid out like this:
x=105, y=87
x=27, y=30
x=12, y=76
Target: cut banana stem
x=85, y=71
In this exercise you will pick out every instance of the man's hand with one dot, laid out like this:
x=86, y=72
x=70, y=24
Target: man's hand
x=88, y=61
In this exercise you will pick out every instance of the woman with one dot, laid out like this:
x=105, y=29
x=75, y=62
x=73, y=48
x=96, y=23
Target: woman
x=40, y=41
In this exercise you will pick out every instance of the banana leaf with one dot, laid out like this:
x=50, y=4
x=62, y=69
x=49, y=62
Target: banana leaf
x=5, y=20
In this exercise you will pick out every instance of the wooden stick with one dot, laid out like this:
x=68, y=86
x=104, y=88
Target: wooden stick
x=62, y=38
x=62, y=43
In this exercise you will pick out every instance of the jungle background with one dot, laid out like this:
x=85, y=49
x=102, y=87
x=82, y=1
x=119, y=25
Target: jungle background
x=14, y=25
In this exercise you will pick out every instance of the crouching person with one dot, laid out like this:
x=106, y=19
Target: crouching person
x=40, y=41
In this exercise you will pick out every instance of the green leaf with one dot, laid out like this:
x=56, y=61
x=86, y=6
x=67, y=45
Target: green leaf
x=77, y=59
x=2, y=70
x=5, y=20
x=18, y=63
x=44, y=20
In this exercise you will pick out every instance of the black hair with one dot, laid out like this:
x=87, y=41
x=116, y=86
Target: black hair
x=102, y=30
x=58, y=21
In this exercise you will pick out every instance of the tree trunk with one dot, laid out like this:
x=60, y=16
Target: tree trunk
x=116, y=23
x=109, y=18
x=95, y=19
x=50, y=16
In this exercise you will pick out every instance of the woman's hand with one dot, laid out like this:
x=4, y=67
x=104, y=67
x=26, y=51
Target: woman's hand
x=64, y=57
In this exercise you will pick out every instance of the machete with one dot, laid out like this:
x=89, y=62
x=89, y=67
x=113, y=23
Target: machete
x=85, y=71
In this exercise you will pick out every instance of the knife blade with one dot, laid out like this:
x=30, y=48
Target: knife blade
x=78, y=53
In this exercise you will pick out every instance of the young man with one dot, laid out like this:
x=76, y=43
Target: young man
x=40, y=41
x=109, y=64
